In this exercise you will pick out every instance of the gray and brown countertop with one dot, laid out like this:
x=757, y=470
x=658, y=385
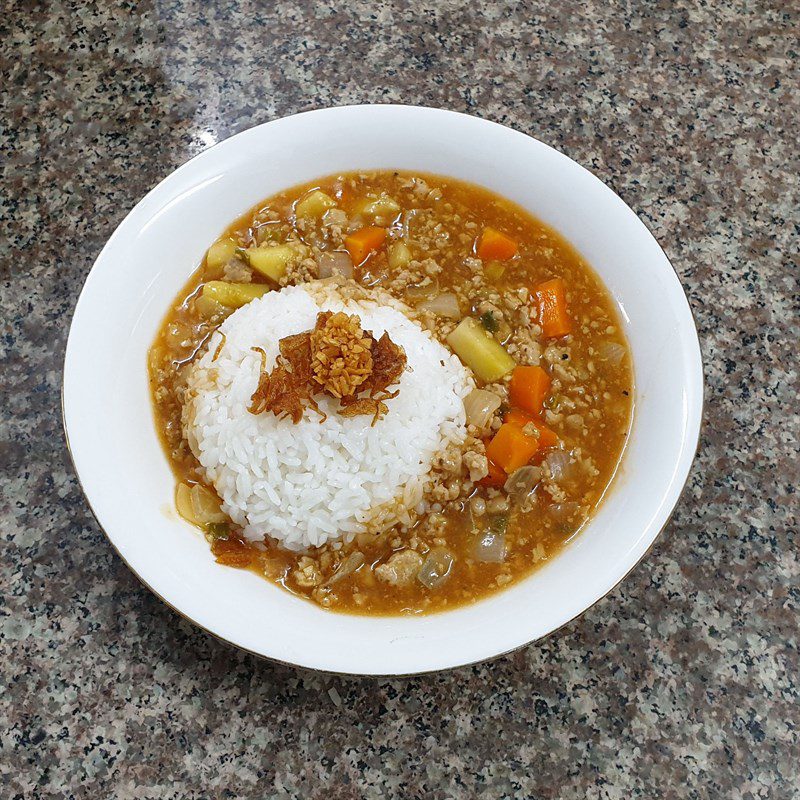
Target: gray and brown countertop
x=683, y=682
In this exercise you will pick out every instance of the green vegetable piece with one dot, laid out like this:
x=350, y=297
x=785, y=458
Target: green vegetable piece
x=272, y=260
x=480, y=351
x=489, y=322
x=499, y=524
x=233, y=295
x=218, y=530
x=552, y=402
x=269, y=232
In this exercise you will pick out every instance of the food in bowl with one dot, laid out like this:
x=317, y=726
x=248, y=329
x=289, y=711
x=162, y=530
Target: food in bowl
x=391, y=392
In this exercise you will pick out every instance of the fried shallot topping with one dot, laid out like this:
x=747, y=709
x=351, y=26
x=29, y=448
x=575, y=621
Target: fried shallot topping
x=337, y=358
x=388, y=363
x=342, y=353
x=277, y=391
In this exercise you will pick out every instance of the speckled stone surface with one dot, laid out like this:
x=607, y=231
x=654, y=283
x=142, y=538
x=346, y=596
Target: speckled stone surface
x=683, y=682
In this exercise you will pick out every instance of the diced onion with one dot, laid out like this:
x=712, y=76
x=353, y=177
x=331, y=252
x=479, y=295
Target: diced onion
x=489, y=547
x=435, y=569
x=480, y=406
x=560, y=465
x=416, y=294
x=347, y=567
x=522, y=482
x=206, y=505
x=183, y=502
x=178, y=334
x=155, y=357
x=612, y=352
x=198, y=505
x=335, y=263
x=563, y=511
x=445, y=305
x=408, y=221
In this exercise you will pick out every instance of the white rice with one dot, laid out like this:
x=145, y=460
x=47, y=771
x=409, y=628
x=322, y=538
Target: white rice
x=313, y=482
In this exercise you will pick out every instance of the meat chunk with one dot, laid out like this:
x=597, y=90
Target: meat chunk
x=307, y=573
x=477, y=464
x=401, y=568
x=237, y=271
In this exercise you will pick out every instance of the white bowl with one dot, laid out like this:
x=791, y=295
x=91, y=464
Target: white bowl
x=127, y=479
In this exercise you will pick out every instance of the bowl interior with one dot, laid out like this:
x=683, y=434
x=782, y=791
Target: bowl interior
x=128, y=481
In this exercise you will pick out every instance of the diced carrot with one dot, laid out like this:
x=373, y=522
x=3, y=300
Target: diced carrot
x=511, y=448
x=364, y=242
x=553, y=316
x=496, y=477
x=494, y=245
x=547, y=438
x=528, y=389
x=517, y=416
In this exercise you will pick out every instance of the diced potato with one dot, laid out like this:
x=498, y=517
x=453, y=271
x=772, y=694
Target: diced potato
x=233, y=295
x=399, y=255
x=208, y=308
x=314, y=204
x=494, y=270
x=271, y=260
x=480, y=351
x=382, y=206
x=220, y=253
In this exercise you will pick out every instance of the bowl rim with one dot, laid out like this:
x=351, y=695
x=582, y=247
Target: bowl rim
x=186, y=166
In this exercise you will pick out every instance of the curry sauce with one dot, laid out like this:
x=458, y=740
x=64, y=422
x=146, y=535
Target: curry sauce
x=453, y=252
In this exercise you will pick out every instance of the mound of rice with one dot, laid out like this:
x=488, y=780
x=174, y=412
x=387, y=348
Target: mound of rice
x=313, y=482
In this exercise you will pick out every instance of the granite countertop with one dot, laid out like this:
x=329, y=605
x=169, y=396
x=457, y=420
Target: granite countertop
x=682, y=683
